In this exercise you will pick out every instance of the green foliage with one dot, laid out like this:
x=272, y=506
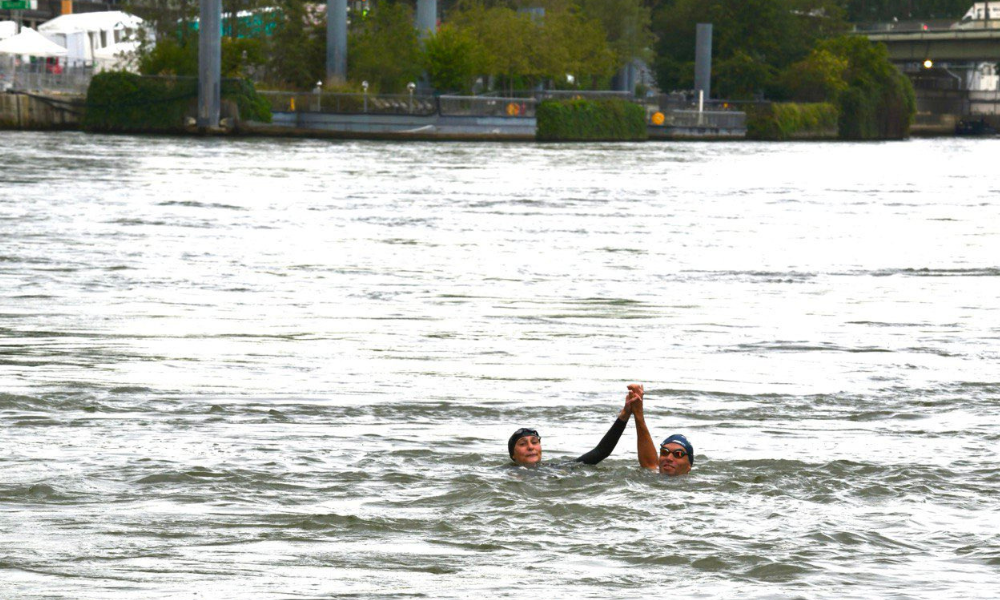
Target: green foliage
x=771, y=32
x=817, y=78
x=878, y=102
x=170, y=57
x=251, y=106
x=575, y=44
x=783, y=121
x=297, y=50
x=241, y=55
x=452, y=60
x=627, y=26
x=383, y=48
x=124, y=102
x=523, y=51
x=590, y=120
x=508, y=40
x=742, y=77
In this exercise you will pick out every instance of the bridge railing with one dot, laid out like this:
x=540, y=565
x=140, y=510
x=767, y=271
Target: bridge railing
x=908, y=26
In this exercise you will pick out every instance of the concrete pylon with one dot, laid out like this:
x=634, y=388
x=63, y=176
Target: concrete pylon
x=426, y=17
x=210, y=64
x=336, y=40
x=703, y=60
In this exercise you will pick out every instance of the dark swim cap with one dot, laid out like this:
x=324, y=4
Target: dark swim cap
x=520, y=433
x=683, y=441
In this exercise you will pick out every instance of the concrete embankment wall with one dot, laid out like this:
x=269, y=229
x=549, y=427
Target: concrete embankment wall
x=22, y=111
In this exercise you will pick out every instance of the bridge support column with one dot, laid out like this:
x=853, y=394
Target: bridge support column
x=703, y=60
x=210, y=64
x=336, y=40
x=426, y=17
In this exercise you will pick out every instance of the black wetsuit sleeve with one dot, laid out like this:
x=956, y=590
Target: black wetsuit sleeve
x=606, y=445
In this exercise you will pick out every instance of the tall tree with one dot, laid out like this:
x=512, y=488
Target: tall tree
x=627, y=24
x=383, y=48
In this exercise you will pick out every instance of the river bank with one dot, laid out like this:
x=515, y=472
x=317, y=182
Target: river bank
x=44, y=112
x=447, y=119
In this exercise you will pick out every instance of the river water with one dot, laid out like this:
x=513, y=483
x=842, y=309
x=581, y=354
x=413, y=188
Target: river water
x=288, y=368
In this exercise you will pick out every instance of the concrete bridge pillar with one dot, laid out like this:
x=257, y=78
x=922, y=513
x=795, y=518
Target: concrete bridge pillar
x=336, y=40
x=703, y=59
x=210, y=64
x=426, y=17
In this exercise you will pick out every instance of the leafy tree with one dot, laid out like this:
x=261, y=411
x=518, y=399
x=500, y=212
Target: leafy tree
x=627, y=24
x=508, y=39
x=771, y=32
x=452, y=59
x=817, y=78
x=170, y=57
x=523, y=50
x=241, y=56
x=878, y=102
x=297, y=49
x=577, y=46
x=383, y=48
x=742, y=77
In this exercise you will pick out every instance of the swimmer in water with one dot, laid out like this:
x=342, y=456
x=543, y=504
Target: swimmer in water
x=676, y=456
x=525, y=446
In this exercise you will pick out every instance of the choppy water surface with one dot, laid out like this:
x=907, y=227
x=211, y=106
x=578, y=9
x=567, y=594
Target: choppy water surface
x=288, y=369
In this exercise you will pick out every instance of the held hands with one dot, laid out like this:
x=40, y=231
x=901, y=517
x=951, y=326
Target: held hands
x=633, y=401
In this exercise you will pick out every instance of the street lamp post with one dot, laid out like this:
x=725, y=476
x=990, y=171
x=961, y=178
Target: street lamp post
x=364, y=90
x=411, y=86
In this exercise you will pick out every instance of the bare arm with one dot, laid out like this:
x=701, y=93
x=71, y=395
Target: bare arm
x=644, y=447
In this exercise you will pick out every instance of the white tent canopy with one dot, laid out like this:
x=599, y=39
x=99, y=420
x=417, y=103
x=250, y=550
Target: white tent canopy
x=30, y=42
x=120, y=56
x=94, y=21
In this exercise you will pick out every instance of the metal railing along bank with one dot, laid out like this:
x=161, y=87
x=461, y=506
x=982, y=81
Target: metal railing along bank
x=719, y=115
x=400, y=104
x=43, y=77
x=705, y=119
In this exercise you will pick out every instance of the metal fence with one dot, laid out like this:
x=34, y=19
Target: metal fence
x=705, y=119
x=41, y=77
x=487, y=106
x=399, y=104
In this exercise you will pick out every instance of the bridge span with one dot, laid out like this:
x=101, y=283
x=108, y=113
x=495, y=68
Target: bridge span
x=943, y=45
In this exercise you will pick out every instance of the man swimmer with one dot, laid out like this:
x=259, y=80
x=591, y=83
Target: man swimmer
x=525, y=446
x=676, y=455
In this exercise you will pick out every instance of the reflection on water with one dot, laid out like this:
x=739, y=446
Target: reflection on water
x=289, y=368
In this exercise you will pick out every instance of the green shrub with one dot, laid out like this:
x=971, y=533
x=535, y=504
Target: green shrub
x=124, y=102
x=590, y=120
x=783, y=121
x=251, y=106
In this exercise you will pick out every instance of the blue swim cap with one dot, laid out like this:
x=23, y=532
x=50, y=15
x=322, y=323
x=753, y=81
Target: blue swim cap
x=683, y=441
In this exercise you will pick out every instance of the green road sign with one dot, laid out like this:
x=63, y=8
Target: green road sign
x=15, y=4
